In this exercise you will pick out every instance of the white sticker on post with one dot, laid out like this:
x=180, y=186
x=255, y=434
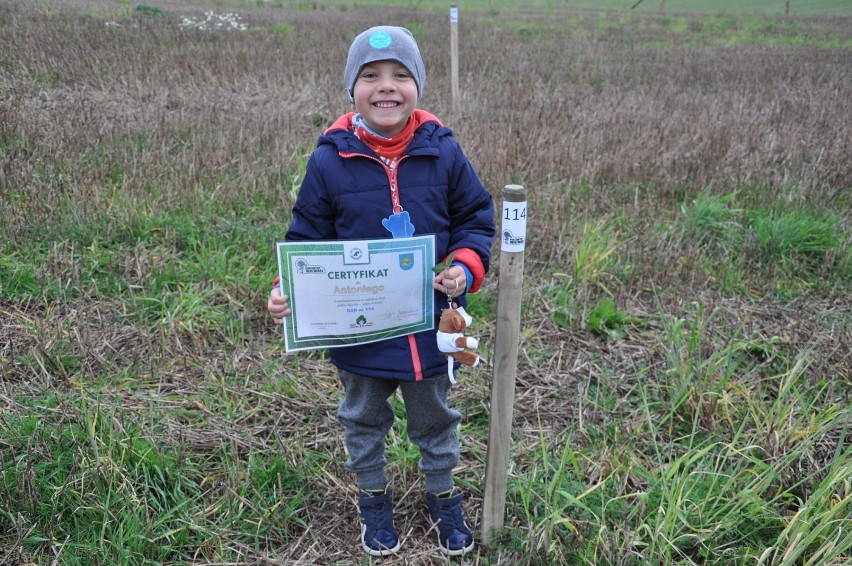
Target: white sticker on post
x=514, y=232
x=454, y=15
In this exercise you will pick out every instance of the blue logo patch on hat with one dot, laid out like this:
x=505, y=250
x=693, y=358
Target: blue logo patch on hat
x=380, y=40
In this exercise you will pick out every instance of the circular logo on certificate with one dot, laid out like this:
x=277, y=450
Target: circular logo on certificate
x=356, y=253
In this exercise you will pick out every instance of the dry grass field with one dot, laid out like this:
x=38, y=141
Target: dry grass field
x=683, y=387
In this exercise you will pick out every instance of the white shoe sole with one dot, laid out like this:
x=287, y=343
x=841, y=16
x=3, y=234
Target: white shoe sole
x=447, y=551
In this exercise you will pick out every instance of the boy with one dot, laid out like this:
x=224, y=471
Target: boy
x=386, y=170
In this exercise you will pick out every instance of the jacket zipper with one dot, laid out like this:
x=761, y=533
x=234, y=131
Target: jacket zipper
x=392, y=171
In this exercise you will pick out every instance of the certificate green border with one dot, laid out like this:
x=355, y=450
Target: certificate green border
x=286, y=250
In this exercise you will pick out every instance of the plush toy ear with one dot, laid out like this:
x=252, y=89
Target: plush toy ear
x=458, y=322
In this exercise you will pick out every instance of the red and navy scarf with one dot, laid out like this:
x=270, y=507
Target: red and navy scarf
x=386, y=148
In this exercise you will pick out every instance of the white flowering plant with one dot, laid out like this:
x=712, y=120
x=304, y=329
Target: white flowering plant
x=213, y=21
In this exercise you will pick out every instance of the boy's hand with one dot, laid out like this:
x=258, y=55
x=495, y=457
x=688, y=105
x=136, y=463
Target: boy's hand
x=452, y=281
x=278, y=305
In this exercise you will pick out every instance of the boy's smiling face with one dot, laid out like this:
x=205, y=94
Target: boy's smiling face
x=385, y=95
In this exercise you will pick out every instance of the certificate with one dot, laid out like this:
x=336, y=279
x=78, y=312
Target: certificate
x=358, y=291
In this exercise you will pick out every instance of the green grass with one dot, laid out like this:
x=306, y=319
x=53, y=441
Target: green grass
x=793, y=246
x=86, y=476
x=767, y=7
x=711, y=483
x=773, y=7
x=694, y=489
x=683, y=377
x=712, y=7
x=595, y=259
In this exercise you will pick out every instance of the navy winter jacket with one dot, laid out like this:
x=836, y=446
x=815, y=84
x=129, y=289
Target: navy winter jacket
x=345, y=195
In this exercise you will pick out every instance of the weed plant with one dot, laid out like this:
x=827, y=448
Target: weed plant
x=682, y=394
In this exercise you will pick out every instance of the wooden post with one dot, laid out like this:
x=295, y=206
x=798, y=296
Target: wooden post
x=454, y=55
x=512, y=243
x=787, y=8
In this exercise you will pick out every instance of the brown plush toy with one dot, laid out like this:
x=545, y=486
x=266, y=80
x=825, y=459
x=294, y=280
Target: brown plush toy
x=453, y=342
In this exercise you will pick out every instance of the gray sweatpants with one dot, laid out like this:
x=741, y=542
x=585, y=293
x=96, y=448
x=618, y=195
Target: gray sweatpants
x=367, y=417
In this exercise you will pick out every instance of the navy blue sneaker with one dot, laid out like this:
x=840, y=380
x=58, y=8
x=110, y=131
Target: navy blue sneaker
x=445, y=512
x=378, y=536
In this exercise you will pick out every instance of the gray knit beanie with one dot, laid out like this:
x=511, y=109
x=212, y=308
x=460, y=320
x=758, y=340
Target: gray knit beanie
x=378, y=44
